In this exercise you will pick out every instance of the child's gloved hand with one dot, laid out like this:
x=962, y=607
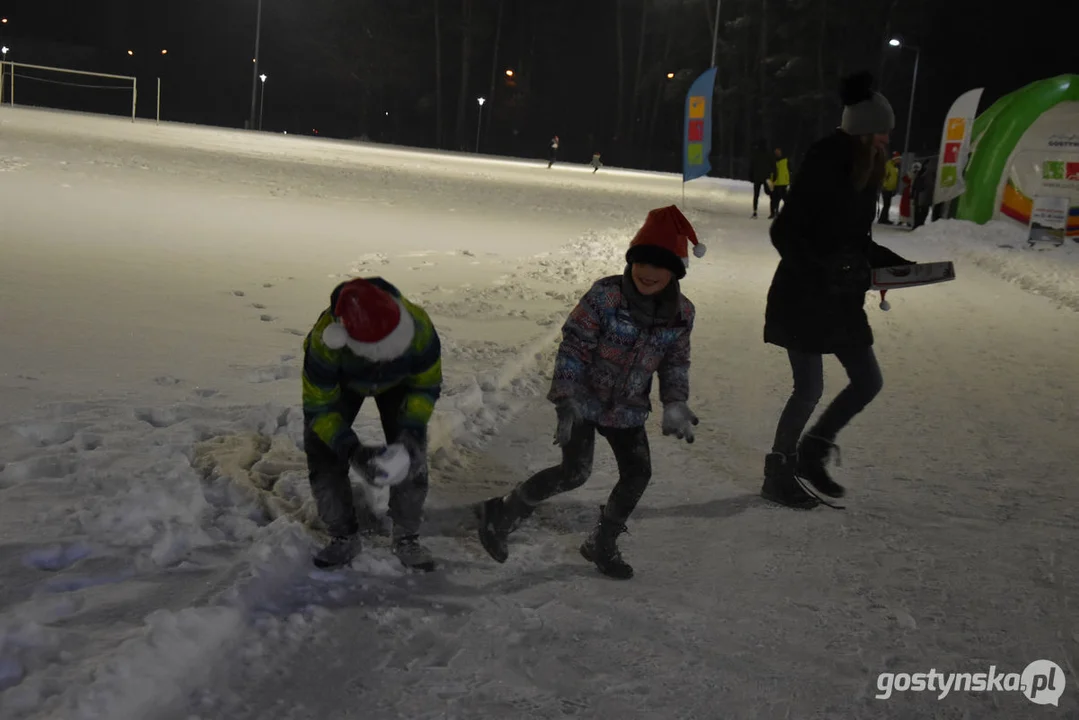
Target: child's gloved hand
x=569, y=415
x=417, y=452
x=361, y=457
x=678, y=420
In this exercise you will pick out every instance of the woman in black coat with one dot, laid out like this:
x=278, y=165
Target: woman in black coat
x=815, y=303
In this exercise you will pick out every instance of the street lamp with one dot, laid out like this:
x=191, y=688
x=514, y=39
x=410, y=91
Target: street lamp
x=255, y=67
x=897, y=43
x=130, y=52
x=3, y=58
x=479, y=121
x=509, y=73
x=670, y=76
x=262, y=100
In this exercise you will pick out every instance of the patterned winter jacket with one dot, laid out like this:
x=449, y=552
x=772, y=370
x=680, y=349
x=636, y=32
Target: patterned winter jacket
x=606, y=361
x=330, y=373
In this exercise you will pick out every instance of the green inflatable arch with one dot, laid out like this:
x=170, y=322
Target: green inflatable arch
x=997, y=131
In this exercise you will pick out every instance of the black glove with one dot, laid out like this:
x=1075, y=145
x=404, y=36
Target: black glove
x=361, y=457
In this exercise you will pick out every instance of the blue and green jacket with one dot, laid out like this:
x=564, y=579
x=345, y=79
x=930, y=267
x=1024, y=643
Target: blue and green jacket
x=331, y=375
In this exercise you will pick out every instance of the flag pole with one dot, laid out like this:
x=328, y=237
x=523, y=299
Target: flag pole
x=715, y=34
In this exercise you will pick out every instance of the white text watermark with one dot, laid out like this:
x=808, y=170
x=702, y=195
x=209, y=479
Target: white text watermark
x=1042, y=682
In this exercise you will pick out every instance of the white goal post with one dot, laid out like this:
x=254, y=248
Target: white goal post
x=9, y=71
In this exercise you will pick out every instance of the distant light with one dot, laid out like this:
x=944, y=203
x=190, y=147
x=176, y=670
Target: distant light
x=164, y=52
x=130, y=52
x=481, y=101
x=894, y=42
x=670, y=76
x=509, y=73
x=387, y=113
x=262, y=78
x=3, y=20
x=5, y=50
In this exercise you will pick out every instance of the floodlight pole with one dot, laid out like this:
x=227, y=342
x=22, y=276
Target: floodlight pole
x=255, y=70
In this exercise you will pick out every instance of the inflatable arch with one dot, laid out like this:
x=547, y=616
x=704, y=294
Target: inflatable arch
x=1026, y=144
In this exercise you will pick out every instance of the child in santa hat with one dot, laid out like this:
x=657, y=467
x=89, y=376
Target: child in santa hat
x=625, y=329
x=370, y=342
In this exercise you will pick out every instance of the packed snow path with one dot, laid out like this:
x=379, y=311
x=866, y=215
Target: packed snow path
x=154, y=555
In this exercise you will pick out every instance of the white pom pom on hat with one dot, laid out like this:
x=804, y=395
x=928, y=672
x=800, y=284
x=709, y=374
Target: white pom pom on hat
x=335, y=336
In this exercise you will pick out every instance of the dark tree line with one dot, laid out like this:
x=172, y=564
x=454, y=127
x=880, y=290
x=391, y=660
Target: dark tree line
x=595, y=73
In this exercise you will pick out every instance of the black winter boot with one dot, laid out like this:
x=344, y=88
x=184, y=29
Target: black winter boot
x=338, y=552
x=781, y=486
x=498, y=517
x=812, y=455
x=601, y=548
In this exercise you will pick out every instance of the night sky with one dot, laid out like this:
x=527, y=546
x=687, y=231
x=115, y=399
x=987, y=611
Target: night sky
x=367, y=67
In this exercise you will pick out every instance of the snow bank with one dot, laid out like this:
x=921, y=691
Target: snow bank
x=1001, y=248
x=192, y=519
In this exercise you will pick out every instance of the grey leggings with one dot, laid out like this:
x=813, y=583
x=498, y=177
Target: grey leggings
x=808, y=368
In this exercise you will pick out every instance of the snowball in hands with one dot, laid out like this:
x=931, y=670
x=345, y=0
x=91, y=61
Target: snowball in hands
x=389, y=468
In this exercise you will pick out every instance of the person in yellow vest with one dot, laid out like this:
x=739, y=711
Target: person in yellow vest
x=781, y=180
x=888, y=187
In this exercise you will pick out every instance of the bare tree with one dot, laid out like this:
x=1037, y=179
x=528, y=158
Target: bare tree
x=494, y=65
x=466, y=57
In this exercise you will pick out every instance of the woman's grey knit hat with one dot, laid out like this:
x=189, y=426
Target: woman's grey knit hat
x=865, y=112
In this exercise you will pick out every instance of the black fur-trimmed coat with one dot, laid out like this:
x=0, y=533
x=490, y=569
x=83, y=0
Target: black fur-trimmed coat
x=823, y=235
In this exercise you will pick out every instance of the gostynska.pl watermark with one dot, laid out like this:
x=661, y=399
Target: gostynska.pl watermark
x=1042, y=682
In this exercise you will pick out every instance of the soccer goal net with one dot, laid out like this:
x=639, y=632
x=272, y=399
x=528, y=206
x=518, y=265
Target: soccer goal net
x=66, y=89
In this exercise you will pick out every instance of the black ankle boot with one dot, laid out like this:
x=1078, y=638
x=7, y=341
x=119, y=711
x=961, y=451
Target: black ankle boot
x=338, y=552
x=781, y=486
x=813, y=454
x=601, y=548
x=498, y=517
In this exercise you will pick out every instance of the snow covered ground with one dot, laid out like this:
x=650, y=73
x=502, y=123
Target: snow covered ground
x=155, y=284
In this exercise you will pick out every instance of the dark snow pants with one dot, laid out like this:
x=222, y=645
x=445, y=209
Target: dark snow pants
x=779, y=195
x=808, y=368
x=886, y=207
x=330, y=484
x=631, y=453
x=757, y=194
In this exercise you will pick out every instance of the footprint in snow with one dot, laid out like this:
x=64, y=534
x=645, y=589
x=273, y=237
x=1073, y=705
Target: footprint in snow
x=258, y=306
x=47, y=434
x=267, y=318
x=205, y=392
x=56, y=557
x=238, y=293
x=166, y=380
x=267, y=285
x=158, y=417
x=62, y=584
x=294, y=331
x=43, y=467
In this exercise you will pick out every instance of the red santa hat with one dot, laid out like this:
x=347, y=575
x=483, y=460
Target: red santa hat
x=664, y=241
x=370, y=322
